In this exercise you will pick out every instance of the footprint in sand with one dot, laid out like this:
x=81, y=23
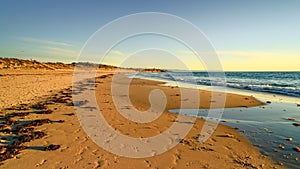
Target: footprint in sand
x=41, y=163
x=98, y=164
x=177, y=157
x=148, y=163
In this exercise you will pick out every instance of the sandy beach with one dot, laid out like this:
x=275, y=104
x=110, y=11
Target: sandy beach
x=149, y=84
x=40, y=103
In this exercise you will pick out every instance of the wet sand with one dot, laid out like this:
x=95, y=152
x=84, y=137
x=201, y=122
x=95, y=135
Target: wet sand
x=54, y=138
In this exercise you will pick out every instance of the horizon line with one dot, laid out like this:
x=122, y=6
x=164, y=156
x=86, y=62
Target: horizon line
x=182, y=70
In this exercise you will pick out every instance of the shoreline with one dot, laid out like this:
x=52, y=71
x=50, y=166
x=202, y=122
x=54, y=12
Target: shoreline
x=265, y=96
x=228, y=152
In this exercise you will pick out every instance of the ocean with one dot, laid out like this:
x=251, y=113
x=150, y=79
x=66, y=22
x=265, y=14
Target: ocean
x=282, y=83
x=266, y=127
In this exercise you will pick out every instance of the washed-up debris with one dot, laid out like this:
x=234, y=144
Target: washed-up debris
x=296, y=148
x=292, y=119
x=296, y=124
x=52, y=147
x=226, y=135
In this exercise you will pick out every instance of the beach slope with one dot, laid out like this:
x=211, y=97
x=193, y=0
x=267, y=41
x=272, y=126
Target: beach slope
x=65, y=144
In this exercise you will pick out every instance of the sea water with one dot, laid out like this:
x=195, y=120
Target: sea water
x=283, y=83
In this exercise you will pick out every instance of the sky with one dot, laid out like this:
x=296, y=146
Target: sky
x=247, y=35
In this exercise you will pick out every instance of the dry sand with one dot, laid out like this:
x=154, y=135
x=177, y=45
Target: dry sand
x=225, y=149
x=27, y=86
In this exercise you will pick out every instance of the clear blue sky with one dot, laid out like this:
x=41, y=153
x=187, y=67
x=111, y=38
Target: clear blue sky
x=247, y=35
